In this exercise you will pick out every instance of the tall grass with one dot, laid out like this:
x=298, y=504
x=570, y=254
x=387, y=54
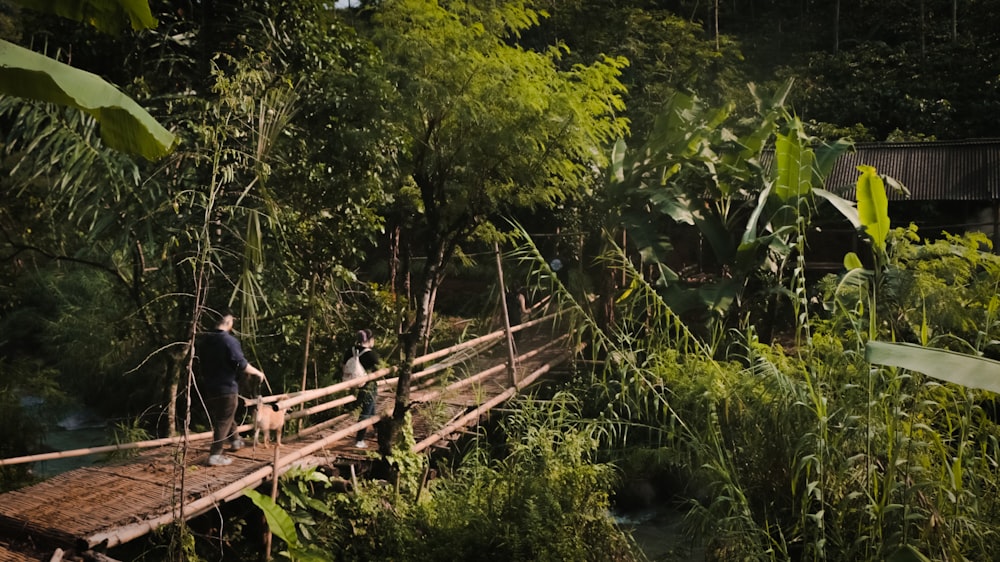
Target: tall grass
x=813, y=453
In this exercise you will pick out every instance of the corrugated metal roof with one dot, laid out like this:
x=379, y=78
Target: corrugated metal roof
x=967, y=170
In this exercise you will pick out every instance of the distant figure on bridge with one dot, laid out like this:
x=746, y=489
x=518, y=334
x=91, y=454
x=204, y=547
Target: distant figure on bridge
x=517, y=306
x=221, y=361
x=364, y=342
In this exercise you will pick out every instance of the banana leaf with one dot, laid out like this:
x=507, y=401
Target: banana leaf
x=108, y=16
x=125, y=125
x=794, y=159
x=282, y=525
x=949, y=366
x=846, y=208
x=873, y=205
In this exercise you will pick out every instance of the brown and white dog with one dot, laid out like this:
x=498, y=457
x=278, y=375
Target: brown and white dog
x=269, y=418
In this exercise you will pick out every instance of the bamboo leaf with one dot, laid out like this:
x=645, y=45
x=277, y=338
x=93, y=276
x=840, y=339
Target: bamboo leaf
x=949, y=366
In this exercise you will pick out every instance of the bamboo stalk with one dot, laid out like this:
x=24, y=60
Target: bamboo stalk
x=110, y=448
x=509, y=336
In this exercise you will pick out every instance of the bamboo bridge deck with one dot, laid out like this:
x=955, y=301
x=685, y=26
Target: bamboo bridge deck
x=97, y=507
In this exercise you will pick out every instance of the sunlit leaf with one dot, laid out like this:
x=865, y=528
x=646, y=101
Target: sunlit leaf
x=852, y=261
x=873, y=205
x=949, y=366
x=278, y=520
x=125, y=125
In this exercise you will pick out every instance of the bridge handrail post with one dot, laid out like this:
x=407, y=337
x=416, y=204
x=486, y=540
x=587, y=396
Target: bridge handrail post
x=506, y=318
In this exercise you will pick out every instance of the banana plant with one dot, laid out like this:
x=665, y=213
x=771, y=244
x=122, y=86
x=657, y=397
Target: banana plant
x=695, y=170
x=872, y=218
x=125, y=125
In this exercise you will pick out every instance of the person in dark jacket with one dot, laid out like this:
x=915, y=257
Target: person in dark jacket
x=221, y=361
x=364, y=343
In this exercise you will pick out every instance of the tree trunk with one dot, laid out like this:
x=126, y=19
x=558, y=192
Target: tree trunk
x=717, y=48
x=410, y=342
x=954, y=22
x=836, y=27
x=173, y=385
x=923, y=32
x=394, y=260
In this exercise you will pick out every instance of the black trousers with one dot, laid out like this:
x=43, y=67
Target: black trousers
x=222, y=411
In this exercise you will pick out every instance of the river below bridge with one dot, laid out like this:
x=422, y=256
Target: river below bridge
x=659, y=532
x=79, y=428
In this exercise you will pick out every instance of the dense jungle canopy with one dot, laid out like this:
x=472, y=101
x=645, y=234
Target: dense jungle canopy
x=325, y=167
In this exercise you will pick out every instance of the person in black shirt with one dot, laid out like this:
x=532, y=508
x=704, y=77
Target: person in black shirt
x=221, y=362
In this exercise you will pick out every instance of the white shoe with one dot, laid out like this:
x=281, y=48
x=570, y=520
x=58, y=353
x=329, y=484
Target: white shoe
x=219, y=460
x=236, y=444
x=361, y=445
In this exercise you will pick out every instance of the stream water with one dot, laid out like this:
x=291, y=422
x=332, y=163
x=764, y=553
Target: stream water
x=660, y=535
x=77, y=430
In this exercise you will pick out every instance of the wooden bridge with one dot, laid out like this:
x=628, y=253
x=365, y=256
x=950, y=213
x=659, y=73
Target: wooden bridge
x=94, y=508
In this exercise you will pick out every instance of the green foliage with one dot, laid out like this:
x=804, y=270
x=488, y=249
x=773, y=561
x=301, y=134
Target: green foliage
x=108, y=16
x=71, y=322
x=667, y=52
x=29, y=399
x=544, y=500
x=485, y=125
x=409, y=468
x=698, y=167
x=820, y=454
x=279, y=522
x=939, y=292
x=129, y=432
x=124, y=124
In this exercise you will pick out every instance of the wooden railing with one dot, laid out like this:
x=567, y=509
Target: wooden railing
x=290, y=399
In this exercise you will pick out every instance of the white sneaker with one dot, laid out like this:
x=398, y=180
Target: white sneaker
x=219, y=460
x=361, y=445
x=236, y=444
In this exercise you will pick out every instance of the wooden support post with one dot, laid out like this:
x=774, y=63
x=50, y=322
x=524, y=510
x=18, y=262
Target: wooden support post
x=506, y=318
x=305, y=352
x=274, y=491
